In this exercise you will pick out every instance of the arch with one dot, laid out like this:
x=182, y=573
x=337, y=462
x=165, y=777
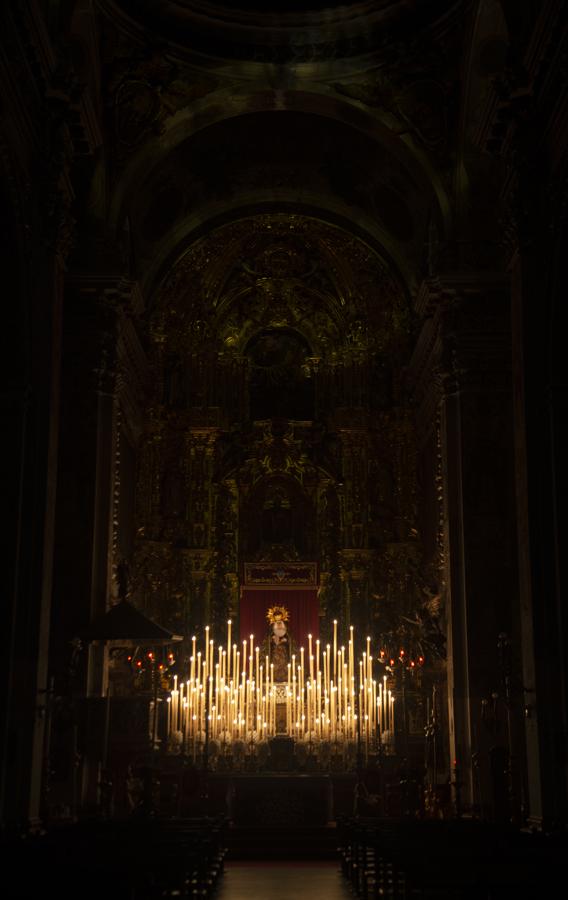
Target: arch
x=339, y=290
x=173, y=248
x=320, y=101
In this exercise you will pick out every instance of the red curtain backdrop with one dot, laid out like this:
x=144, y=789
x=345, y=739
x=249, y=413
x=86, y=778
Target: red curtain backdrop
x=302, y=605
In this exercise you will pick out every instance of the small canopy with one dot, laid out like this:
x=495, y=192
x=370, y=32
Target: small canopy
x=124, y=622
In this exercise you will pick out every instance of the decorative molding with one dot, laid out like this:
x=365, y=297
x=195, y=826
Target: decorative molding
x=284, y=574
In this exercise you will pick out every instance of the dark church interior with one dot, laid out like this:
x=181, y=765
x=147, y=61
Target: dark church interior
x=284, y=291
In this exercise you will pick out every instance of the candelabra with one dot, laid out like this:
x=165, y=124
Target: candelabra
x=231, y=702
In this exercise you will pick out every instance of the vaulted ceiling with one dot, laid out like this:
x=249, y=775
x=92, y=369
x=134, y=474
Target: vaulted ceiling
x=362, y=115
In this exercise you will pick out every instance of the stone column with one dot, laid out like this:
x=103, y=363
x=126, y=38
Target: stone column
x=48, y=124
x=539, y=285
x=86, y=506
x=32, y=425
x=463, y=358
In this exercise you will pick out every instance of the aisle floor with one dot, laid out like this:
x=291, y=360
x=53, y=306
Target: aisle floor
x=283, y=881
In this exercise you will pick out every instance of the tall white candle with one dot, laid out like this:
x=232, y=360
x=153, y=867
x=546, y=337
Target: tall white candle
x=229, y=626
x=335, y=650
x=207, y=649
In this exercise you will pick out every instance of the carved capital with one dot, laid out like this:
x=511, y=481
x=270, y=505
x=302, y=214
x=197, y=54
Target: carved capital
x=465, y=336
x=100, y=313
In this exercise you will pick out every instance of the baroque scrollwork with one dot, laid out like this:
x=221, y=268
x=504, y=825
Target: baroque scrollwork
x=144, y=88
x=279, y=433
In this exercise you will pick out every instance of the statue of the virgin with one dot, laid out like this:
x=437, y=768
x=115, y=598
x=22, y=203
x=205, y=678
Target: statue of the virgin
x=279, y=642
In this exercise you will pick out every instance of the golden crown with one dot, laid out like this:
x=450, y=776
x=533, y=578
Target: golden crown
x=277, y=614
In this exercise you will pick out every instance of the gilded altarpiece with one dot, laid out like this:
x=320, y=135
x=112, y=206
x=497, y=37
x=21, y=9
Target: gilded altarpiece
x=278, y=430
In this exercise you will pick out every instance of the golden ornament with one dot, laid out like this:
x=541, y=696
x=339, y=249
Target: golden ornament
x=277, y=614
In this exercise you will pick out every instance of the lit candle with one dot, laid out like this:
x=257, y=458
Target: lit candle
x=272, y=699
x=361, y=701
x=353, y=705
x=261, y=696
x=332, y=707
x=247, y=703
x=301, y=692
x=314, y=703
x=174, y=704
x=294, y=695
x=335, y=650
x=318, y=701
x=207, y=649
x=229, y=626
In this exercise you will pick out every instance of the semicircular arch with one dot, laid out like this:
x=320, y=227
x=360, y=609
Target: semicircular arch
x=320, y=102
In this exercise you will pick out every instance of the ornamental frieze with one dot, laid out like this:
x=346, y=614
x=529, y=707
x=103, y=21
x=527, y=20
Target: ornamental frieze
x=298, y=574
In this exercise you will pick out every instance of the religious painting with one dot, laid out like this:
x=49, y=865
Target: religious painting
x=280, y=385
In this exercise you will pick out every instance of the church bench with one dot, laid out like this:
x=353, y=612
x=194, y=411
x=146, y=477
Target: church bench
x=132, y=860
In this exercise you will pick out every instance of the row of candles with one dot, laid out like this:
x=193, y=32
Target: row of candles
x=231, y=695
